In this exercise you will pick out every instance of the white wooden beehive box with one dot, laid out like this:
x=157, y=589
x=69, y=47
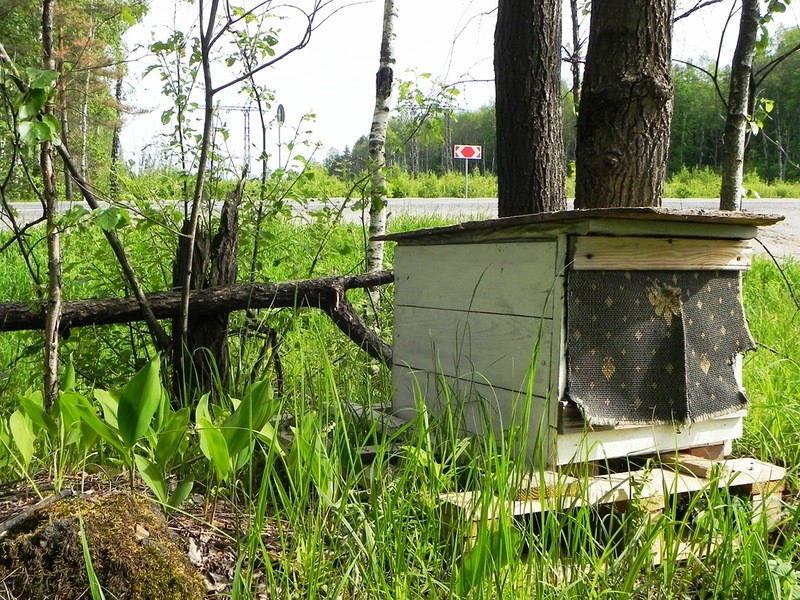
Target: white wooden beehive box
x=600, y=333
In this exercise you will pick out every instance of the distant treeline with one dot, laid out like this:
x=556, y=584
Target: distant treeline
x=697, y=126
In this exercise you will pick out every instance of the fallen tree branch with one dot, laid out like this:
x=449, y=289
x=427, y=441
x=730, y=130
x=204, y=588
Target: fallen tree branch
x=326, y=293
x=345, y=317
x=43, y=503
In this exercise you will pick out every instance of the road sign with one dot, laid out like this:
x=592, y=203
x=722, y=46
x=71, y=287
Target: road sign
x=467, y=152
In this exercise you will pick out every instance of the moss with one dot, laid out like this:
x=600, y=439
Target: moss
x=133, y=552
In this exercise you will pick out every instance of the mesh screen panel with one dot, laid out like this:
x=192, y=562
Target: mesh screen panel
x=649, y=347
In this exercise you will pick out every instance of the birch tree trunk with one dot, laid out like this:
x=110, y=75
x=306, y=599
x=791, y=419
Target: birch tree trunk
x=53, y=317
x=733, y=140
x=377, y=142
x=85, y=123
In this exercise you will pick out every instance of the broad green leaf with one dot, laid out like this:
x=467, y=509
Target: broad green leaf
x=54, y=126
x=167, y=115
x=269, y=437
x=171, y=436
x=250, y=416
x=34, y=132
x=82, y=406
x=109, y=403
x=32, y=406
x=38, y=78
x=153, y=477
x=139, y=402
x=68, y=379
x=32, y=103
x=126, y=14
x=23, y=435
x=111, y=218
x=213, y=447
x=182, y=491
x=201, y=410
x=67, y=411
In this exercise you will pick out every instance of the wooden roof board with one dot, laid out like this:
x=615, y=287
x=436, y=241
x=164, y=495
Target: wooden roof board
x=570, y=218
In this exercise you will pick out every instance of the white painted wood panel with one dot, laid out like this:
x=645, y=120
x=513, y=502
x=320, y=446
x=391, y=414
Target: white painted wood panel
x=498, y=350
x=506, y=278
x=611, y=443
x=477, y=409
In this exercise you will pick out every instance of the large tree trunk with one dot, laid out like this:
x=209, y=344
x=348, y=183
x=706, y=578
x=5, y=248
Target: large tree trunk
x=377, y=140
x=733, y=141
x=626, y=104
x=530, y=140
x=53, y=237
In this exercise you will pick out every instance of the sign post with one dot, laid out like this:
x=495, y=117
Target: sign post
x=468, y=153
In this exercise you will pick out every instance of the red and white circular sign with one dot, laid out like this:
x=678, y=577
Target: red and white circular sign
x=467, y=152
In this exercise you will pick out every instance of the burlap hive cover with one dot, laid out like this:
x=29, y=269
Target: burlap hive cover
x=649, y=347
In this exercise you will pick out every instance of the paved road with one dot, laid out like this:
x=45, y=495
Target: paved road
x=782, y=239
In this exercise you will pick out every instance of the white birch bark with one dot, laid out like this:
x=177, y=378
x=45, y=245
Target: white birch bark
x=377, y=141
x=53, y=314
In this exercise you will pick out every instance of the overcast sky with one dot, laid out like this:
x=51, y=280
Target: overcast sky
x=334, y=76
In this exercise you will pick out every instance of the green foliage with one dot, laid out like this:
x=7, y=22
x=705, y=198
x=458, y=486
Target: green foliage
x=449, y=185
x=140, y=399
x=34, y=126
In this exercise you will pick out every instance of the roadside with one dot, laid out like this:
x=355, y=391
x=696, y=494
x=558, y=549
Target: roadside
x=782, y=240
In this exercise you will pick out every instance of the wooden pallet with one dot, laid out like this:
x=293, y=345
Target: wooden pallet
x=652, y=489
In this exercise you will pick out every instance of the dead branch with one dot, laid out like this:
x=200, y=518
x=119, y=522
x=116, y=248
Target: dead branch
x=326, y=294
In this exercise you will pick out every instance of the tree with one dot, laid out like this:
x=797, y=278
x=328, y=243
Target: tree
x=626, y=105
x=738, y=108
x=530, y=147
x=51, y=213
x=377, y=141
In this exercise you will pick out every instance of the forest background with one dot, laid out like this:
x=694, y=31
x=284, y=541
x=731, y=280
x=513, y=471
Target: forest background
x=427, y=121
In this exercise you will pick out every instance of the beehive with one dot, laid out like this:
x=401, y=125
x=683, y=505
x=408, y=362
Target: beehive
x=599, y=333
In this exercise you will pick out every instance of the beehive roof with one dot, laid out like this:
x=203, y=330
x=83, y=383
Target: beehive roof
x=571, y=217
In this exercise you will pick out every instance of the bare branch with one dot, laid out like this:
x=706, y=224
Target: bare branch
x=714, y=79
x=770, y=66
x=700, y=4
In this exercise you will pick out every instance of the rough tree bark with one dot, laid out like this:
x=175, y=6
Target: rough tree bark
x=216, y=265
x=530, y=140
x=327, y=294
x=733, y=140
x=53, y=237
x=377, y=142
x=626, y=104
x=575, y=57
x=113, y=171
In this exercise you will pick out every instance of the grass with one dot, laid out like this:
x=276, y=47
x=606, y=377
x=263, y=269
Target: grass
x=342, y=528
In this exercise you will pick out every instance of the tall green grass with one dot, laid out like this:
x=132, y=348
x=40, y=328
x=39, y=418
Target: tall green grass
x=319, y=520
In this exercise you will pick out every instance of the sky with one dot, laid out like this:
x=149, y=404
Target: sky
x=334, y=76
